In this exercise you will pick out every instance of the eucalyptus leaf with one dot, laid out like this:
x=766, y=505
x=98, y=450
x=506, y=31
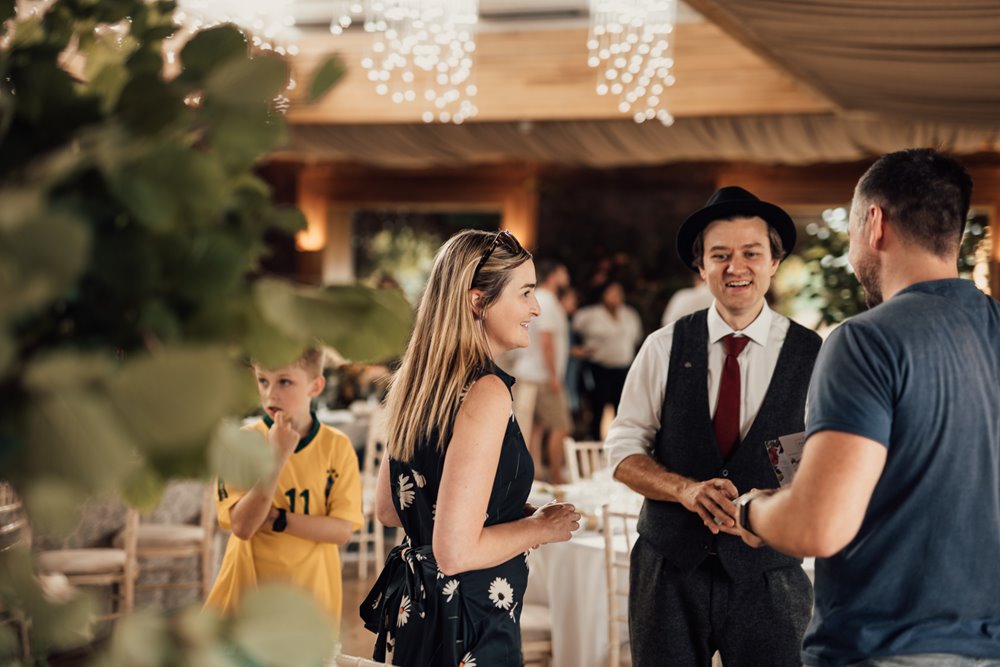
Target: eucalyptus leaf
x=177, y=395
x=281, y=626
x=208, y=48
x=143, y=489
x=243, y=83
x=9, y=643
x=140, y=639
x=54, y=624
x=241, y=135
x=77, y=435
x=269, y=345
x=361, y=323
x=198, y=627
x=67, y=369
x=241, y=457
x=53, y=505
x=46, y=255
x=148, y=104
x=172, y=187
x=326, y=76
x=8, y=349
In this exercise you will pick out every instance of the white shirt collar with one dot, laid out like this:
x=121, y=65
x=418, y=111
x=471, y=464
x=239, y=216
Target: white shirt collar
x=758, y=330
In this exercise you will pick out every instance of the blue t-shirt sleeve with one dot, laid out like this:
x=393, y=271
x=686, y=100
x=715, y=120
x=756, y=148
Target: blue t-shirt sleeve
x=851, y=389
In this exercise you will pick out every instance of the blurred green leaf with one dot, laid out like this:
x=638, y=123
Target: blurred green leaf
x=328, y=74
x=361, y=323
x=197, y=626
x=76, y=435
x=283, y=627
x=244, y=83
x=172, y=187
x=140, y=639
x=240, y=456
x=40, y=259
x=176, y=396
x=9, y=643
x=288, y=219
x=66, y=369
x=143, y=489
x=7, y=8
x=208, y=48
x=54, y=624
x=8, y=348
x=240, y=136
x=28, y=32
x=53, y=505
x=148, y=104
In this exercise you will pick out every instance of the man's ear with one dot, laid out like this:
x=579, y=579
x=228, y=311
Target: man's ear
x=875, y=226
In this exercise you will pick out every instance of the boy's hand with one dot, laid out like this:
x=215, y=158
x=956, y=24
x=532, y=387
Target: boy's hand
x=283, y=437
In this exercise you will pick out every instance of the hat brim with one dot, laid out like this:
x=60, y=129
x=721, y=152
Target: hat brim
x=699, y=220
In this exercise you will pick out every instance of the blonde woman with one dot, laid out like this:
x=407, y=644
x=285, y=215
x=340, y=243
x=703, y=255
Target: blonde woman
x=458, y=472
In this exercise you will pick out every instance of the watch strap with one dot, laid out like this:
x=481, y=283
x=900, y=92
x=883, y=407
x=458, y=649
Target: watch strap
x=280, y=521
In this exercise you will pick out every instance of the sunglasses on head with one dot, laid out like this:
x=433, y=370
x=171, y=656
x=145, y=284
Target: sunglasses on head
x=503, y=233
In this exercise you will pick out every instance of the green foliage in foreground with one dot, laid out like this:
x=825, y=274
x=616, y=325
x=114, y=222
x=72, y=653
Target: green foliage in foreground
x=131, y=226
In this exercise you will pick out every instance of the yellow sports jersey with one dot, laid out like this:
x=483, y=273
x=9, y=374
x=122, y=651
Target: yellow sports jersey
x=320, y=478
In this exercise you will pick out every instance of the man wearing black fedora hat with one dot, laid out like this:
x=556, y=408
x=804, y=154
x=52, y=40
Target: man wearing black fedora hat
x=696, y=588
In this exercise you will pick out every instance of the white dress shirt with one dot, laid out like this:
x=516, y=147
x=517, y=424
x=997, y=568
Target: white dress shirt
x=638, y=420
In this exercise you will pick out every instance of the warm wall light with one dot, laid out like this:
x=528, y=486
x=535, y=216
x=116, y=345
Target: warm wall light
x=313, y=237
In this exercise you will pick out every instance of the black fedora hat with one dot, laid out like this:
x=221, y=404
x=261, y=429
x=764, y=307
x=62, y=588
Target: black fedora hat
x=728, y=202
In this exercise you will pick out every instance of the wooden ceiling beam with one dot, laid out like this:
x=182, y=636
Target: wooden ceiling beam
x=540, y=75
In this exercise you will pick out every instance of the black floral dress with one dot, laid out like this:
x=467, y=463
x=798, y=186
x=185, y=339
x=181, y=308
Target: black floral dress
x=424, y=618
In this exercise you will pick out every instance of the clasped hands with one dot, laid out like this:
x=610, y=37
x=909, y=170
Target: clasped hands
x=715, y=502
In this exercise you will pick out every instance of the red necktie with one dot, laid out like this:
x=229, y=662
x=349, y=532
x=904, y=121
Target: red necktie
x=727, y=410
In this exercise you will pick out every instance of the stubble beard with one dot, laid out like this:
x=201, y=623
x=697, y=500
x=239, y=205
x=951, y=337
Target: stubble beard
x=868, y=275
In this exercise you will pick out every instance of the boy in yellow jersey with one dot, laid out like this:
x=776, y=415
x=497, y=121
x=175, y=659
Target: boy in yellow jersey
x=287, y=528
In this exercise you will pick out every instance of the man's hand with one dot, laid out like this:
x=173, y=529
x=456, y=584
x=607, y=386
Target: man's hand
x=712, y=500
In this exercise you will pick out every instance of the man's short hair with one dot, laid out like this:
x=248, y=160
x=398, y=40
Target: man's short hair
x=924, y=193
x=545, y=268
x=698, y=247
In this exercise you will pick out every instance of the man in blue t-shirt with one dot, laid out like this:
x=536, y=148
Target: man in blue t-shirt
x=898, y=491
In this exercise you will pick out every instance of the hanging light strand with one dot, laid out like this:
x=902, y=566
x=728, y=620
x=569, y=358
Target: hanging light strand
x=421, y=52
x=631, y=46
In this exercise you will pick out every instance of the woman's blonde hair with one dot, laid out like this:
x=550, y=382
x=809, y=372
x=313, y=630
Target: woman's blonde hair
x=448, y=346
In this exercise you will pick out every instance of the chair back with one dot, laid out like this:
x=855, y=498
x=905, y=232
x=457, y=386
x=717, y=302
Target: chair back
x=375, y=443
x=619, y=536
x=13, y=522
x=584, y=458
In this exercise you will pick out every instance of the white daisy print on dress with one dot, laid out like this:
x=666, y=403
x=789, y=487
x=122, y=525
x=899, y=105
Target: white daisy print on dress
x=419, y=479
x=501, y=594
x=467, y=661
x=406, y=492
x=450, y=588
x=404, y=611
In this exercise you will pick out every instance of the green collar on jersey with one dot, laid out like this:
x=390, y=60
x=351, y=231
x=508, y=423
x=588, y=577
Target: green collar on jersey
x=309, y=436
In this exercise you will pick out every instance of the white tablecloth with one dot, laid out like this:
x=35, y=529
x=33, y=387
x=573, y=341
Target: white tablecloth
x=569, y=577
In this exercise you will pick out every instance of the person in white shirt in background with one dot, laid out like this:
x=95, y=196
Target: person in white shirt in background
x=540, y=402
x=687, y=300
x=611, y=332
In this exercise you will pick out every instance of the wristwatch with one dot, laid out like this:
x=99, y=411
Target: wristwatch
x=280, y=521
x=744, y=505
